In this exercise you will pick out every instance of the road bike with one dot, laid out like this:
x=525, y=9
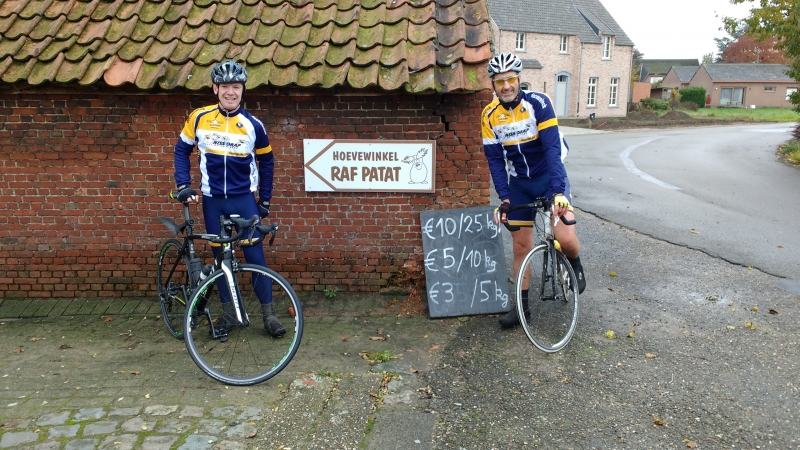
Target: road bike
x=552, y=308
x=233, y=349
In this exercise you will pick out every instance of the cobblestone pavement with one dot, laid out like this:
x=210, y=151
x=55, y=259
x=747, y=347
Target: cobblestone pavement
x=106, y=374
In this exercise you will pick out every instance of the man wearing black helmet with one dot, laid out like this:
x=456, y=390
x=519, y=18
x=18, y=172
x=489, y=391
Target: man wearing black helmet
x=236, y=161
x=524, y=149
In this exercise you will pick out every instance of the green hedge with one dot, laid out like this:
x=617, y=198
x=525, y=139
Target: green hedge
x=656, y=104
x=694, y=94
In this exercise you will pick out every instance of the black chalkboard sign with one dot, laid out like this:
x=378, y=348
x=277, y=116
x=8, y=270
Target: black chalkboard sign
x=465, y=266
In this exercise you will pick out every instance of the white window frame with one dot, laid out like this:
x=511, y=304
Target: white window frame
x=606, y=47
x=613, y=91
x=563, y=45
x=591, y=98
x=770, y=89
x=524, y=86
x=789, y=92
x=520, y=42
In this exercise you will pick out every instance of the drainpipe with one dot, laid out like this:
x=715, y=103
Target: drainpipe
x=580, y=80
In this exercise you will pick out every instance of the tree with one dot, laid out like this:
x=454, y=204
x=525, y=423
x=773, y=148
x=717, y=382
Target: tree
x=636, y=69
x=708, y=58
x=776, y=18
x=737, y=30
x=747, y=49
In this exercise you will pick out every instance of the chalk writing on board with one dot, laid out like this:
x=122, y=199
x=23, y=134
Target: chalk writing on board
x=464, y=262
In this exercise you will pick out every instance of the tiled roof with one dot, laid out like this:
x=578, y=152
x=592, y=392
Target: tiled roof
x=662, y=66
x=581, y=18
x=531, y=63
x=748, y=72
x=416, y=45
x=685, y=73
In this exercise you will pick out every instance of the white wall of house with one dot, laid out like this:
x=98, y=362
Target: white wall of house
x=574, y=67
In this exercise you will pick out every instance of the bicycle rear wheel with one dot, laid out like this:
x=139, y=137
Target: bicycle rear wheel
x=172, y=278
x=246, y=354
x=552, y=313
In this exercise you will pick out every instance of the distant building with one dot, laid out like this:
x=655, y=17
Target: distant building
x=654, y=70
x=746, y=85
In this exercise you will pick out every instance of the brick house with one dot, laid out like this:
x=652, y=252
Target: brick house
x=679, y=76
x=572, y=50
x=746, y=85
x=653, y=71
x=94, y=94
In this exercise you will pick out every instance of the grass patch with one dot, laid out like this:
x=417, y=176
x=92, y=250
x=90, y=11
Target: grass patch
x=791, y=149
x=746, y=114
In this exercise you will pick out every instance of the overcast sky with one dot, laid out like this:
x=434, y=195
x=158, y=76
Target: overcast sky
x=677, y=29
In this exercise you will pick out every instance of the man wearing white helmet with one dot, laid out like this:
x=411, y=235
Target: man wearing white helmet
x=236, y=161
x=523, y=146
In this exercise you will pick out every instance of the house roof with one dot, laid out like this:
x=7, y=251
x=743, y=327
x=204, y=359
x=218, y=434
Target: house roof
x=416, y=45
x=685, y=73
x=585, y=19
x=748, y=72
x=662, y=66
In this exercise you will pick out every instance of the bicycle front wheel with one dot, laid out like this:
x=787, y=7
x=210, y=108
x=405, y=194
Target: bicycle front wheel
x=552, y=306
x=242, y=354
x=172, y=278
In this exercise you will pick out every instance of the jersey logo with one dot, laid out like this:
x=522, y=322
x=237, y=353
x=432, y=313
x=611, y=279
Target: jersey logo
x=214, y=125
x=239, y=125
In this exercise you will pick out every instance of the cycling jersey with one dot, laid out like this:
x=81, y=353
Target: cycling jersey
x=523, y=142
x=230, y=144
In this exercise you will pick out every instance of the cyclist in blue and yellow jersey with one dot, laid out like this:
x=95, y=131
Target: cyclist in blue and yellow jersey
x=236, y=161
x=525, y=152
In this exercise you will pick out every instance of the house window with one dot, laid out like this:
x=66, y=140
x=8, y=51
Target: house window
x=612, y=95
x=592, y=98
x=562, y=47
x=656, y=80
x=520, y=41
x=731, y=97
x=606, y=47
x=524, y=86
x=789, y=92
x=769, y=88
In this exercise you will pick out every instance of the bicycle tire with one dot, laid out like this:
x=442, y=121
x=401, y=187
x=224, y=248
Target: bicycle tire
x=249, y=355
x=552, y=317
x=172, y=278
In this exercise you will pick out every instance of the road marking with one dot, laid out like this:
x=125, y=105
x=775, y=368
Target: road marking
x=771, y=130
x=625, y=157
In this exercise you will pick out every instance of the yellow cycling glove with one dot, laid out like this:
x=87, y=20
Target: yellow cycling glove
x=561, y=201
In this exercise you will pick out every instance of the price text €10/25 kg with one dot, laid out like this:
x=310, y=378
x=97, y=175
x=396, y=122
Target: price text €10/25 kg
x=452, y=259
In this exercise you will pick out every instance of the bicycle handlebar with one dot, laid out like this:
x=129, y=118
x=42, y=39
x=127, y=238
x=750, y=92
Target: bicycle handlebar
x=541, y=203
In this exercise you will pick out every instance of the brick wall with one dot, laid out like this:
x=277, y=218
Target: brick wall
x=84, y=174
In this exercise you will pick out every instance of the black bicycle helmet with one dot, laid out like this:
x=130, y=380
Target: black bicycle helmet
x=228, y=72
x=504, y=62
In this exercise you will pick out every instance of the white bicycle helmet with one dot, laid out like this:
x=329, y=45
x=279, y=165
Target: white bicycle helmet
x=504, y=62
x=228, y=72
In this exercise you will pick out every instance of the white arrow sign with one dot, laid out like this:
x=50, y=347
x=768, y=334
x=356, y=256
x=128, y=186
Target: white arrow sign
x=333, y=165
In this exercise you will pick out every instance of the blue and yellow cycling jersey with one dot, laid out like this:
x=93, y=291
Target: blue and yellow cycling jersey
x=235, y=155
x=523, y=142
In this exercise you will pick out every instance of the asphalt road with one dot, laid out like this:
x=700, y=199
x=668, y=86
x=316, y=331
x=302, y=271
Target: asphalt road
x=716, y=189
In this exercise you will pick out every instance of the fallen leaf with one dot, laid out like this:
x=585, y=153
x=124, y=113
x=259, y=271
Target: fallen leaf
x=750, y=325
x=610, y=334
x=691, y=444
x=413, y=370
x=659, y=422
x=754, y=309
x=344, y=337
x=631, y=334
x=650, y=355
x=146, y=395
x=731, y=327
x=613, y=274
x=135, y=372
x=65, y=346
x=144, y=427
x=377, y=338
x=695, y=232
x=108, y=319
x=291, y=311
x=252, y=435
x=780, y=246
x=35, y=339
x=433, y=348
x=463, y=319
x=773, y=312
x=16, y=350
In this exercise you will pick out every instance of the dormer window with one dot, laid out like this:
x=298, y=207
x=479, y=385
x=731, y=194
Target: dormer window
x=606, y=47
